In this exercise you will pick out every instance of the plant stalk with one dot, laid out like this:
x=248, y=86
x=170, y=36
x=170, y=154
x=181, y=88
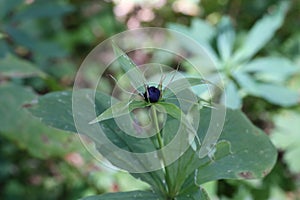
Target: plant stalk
x=161, y=145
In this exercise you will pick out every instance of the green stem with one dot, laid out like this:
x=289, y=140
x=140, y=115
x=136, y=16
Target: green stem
x=161, y=145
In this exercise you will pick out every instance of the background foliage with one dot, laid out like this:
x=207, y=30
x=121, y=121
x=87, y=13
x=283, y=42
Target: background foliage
x=42, y=43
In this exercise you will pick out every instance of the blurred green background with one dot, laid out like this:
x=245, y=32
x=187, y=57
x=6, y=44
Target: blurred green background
x=42, y=44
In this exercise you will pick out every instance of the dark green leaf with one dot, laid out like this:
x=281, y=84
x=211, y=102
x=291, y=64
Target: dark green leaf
x=8, y=6
x=12, y=66
x=28, y=133
x=37, y=10
x=247, y=152
x=199, y=194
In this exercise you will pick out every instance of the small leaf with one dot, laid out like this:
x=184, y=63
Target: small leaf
x=261, y=33
x=119, y=109
x=183, y=84
x=132, y=71
x=147, y=195
x=225, y=39
x=12, y=66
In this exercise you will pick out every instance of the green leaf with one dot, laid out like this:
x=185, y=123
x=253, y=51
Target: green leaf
x=55, y=109
x=132, y=71
x=241, y=151
x=231, y=97
x=225, y=39
x=262, y=31
x=246, y=82
x=119, y=109
x=199, y=194
x=278, y=94
x=12, y=66
x=271, y=68
x=247, y=152
x=20, y=37
x=8, y=6
x=177, y=113
x=286, y=137
x=179, y=85
x=147, y=195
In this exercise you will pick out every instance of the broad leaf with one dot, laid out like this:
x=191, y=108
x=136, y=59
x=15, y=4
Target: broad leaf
x=261, y=33
x=239, y=150
x=246, y=154
x=55, y=109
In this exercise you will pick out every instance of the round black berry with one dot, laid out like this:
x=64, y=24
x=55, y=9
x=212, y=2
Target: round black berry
x=154, y=94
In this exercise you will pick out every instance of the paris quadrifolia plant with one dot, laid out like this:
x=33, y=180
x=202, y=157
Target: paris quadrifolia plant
x=164, y=134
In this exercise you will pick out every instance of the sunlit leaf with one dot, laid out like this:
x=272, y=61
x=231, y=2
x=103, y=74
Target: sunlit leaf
x=261, y=33
x=278, y=94
x=226, y=38
x=132, y=71
x=272, y=68
x=231, y=97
